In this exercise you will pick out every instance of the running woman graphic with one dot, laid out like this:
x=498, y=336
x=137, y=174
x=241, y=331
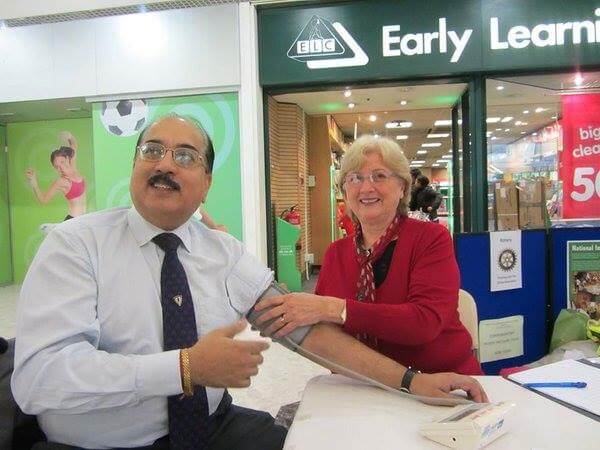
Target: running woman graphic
x=70, y=181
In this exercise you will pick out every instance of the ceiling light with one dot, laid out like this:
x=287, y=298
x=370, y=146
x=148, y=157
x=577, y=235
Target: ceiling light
x=535, y=134
x=492, y=119
x=494, y=168
x=499, y=88
x=506, y=119
x=442, y=123
x=443, y=161
x=494, y=138
x=435, y=165
x=74, y=109
x=520, y=124
x=347, y=93
x=418, y=162
x=7, y=114
x=578, y=80
x=507, y=129
x=403, y=102
x=438, y=135
x=406, y=124
x=522, y=132
x=376, y=136
x=402, y=137
x=447, y=156
x=431, y=144
x=489, y=133
x=554, y=117
x=539, y=109
x=526, y=111
x=421, y=152
x=351, y=105
x=372, y=117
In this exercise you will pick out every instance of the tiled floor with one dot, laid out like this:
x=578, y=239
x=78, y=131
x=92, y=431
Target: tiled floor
x=281, y=379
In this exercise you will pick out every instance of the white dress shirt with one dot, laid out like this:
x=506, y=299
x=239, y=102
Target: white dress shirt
x=89, y=359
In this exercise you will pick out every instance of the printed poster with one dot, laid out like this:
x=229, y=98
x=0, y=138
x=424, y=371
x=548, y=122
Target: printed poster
x=583, y=277
x=500, y=338
x=505, y=260
x=579, y=167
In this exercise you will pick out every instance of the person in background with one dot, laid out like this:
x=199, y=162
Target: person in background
x=127, y=317
x=394, y=284
x=70, y=182
x=414, y=173
x=427, y=199
x=207, y=220
x=344, y=221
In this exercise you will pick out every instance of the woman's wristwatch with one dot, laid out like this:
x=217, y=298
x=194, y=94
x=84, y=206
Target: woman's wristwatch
x=407, y=380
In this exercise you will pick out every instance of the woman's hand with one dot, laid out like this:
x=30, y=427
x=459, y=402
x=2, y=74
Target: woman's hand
x=441, y=384
x=297, y=310
x=31, y=177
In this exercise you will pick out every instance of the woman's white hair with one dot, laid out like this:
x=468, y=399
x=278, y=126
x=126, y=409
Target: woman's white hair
x=392, y=157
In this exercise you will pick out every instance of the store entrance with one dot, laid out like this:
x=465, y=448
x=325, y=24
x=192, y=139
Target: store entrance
x=308, y=133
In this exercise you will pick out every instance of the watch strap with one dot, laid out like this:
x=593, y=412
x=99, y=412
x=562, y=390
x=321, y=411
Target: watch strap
x=407, y=380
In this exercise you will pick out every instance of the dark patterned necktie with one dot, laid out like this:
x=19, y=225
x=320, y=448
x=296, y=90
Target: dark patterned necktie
x=188, y=416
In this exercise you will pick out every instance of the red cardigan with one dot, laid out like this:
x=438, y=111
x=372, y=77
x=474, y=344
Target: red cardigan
x=415, y=316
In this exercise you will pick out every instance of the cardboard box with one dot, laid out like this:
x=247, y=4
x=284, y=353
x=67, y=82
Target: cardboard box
x=532, y=204
x=506, y=206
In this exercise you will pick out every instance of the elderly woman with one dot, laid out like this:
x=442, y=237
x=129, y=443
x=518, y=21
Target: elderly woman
x=394, y=284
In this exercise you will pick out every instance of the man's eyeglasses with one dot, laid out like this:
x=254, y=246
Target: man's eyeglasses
x=184, y=157
x=375, y=177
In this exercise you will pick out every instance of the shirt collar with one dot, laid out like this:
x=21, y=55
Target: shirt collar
x=143, y=231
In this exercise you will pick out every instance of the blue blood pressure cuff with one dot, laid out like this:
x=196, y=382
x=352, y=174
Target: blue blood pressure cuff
x=292, y=340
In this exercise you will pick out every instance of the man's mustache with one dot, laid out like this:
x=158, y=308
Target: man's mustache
x=164, y=178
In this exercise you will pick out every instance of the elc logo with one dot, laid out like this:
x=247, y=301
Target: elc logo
x=322, y=44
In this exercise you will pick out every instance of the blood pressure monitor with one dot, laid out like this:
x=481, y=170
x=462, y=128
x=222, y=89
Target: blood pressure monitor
x=470, y=427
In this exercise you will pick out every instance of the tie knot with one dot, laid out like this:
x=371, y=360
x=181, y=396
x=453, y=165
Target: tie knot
x=167, y=241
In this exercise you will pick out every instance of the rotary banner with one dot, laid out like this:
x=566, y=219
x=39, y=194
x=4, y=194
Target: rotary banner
x=580, y=160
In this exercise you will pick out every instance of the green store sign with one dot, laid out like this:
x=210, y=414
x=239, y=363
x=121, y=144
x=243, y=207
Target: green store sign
x=378, y=40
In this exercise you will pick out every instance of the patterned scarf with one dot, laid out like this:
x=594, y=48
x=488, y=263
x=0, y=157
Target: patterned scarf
x=365, y=286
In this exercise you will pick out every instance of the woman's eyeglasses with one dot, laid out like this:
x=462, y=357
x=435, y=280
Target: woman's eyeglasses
x=375, y=177
x=184, y=157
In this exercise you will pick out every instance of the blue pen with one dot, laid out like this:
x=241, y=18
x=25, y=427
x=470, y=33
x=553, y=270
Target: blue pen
x=564, y=384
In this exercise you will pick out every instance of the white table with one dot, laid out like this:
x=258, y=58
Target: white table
x=339, y=413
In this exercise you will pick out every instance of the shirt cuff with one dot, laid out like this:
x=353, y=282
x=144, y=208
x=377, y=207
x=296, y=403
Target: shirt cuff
x=158, y=374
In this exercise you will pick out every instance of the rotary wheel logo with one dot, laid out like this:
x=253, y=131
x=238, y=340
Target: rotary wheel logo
x=507, y=260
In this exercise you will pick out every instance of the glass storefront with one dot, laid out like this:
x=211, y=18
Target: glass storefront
x=543, y=153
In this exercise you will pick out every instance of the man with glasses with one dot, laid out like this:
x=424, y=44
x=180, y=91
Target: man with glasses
x=127, y=319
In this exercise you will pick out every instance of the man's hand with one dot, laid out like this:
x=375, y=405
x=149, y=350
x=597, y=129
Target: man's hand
x=441, y=384
x=217, y=360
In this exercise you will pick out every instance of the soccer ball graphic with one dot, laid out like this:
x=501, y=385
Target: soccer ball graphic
x=125, y=117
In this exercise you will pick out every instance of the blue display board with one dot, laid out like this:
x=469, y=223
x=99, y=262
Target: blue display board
x=558, y=262
x=473, y=256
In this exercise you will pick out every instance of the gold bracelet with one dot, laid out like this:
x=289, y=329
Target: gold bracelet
x=188, y=386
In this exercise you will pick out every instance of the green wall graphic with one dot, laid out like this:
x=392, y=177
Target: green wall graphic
x=5, y=254
x=115, y=136
x=30, y=146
